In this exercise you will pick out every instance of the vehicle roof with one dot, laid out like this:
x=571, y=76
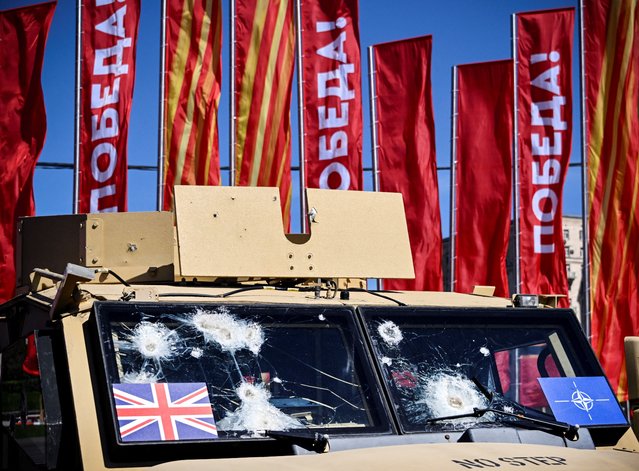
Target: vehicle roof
x=173, y=293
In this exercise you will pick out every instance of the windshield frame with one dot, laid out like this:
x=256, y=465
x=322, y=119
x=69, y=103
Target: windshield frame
x=561, y=320
x=342, y=317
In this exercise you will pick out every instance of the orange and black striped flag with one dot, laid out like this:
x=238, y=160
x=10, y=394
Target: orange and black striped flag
x=612, y=92
x=264, y=52
x=193, y=79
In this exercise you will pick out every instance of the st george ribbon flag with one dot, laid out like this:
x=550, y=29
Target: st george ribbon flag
x=264, y=60
x=332, y=94
x=407, y=161
x=484, y=143
x=109, y=35
x=611, y=43
x=23, y=124
x=193, y=77
x=544, y=119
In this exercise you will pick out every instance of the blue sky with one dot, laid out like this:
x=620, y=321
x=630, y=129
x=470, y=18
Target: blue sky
x=463, y=31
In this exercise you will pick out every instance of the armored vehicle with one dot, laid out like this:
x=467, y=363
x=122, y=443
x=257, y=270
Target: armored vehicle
x=208, y=339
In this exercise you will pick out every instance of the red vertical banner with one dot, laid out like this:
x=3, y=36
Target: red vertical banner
x=264, y=59
x=23, y=124
x=407, y=163
x=332, y=94
x=193, y=80
x=483, y=175
x=109, y=35
x=544, y=118
x=611, y=44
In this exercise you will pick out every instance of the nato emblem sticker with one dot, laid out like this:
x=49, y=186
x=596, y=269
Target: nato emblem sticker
x=584, y=401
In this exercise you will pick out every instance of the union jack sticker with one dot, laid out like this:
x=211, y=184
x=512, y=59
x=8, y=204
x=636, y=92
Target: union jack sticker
x=164, y=412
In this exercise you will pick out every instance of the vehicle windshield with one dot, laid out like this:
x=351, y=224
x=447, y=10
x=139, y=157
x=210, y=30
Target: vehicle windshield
x=262, y=367
x=437, y=365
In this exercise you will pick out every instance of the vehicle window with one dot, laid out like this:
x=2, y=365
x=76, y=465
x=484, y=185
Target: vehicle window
x=518, y=369
x=263, y=368
x=23, y=415
x=439, y=363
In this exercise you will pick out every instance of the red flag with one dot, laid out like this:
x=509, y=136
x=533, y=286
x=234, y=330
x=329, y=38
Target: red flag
x=193, y=79
x=407, y=164
x=544, y=117
x=23, y=124
x=611, y=42
x=109, y=35
x=265, y=55
x=332, y=94
x=483, y=175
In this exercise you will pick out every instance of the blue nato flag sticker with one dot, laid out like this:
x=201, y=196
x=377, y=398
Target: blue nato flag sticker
x=584, y=401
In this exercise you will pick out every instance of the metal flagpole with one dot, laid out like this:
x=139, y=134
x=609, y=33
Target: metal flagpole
x=515, y=158
x=76, y=129
x=516, y=185
x=161, y=118
x=373, y=107
x=232, y=98
x=453, y=179
x=372, y=93
x=300, y=115
x=585, y=308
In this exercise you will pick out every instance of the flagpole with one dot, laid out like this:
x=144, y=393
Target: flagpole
x=453, y=179
x=373, y=117
x=516, y=184
x=232, y=143
x=76, y=128
x=300, y=116
x=585, y=308
x=162, y=123
x=515, y=158
x=372, y=96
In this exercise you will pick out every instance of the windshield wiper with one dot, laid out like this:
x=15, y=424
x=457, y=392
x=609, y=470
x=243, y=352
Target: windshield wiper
x=311, y=441
x=571, y=432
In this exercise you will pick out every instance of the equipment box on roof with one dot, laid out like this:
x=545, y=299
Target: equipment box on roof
x=138, y=246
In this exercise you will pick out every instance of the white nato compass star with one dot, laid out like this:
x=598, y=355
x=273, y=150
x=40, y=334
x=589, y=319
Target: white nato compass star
x=582, y=400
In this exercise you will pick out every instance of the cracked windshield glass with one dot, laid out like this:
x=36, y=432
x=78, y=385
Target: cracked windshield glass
x=443, y=373
x=265, y=368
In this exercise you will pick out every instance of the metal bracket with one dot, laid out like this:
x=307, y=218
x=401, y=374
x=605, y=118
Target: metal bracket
x=73, y=274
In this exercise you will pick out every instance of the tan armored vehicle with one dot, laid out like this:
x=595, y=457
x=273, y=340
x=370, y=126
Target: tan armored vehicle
x=207, y=339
